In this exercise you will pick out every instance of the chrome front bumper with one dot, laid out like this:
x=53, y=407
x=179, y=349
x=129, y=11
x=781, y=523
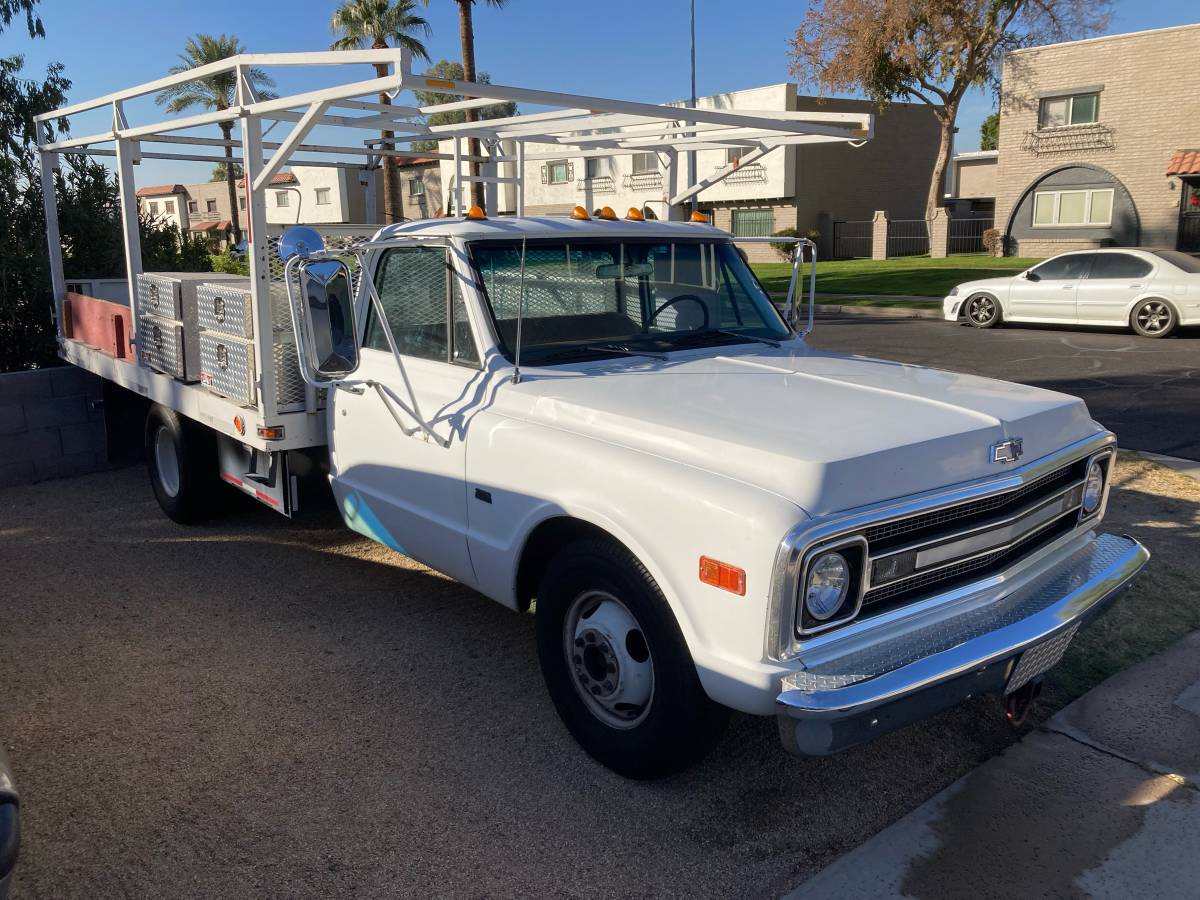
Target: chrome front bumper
x=877, y=686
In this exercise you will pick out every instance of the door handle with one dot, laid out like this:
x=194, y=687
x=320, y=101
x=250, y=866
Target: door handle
x=1068, y=287
x=1135, y=285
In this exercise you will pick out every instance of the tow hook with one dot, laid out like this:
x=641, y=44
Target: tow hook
x=1020, y=701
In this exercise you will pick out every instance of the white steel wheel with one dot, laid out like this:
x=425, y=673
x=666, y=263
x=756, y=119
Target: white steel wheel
x=609, y=659
x=1153, y=318
x=983, y=311
x=166, y=461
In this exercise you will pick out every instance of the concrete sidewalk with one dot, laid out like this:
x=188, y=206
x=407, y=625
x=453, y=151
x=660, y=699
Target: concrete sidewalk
x=1102, y=801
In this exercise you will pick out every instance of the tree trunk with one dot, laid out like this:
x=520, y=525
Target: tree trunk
x=393, y=206
x=946, y=116
x=231, y=183
x=466, y=34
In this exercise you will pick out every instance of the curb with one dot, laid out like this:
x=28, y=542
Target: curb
x=831, y=311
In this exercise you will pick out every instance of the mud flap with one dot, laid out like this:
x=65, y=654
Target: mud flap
x=263, y=475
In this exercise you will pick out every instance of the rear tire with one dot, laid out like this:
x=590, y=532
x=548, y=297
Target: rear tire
x=181, y=457
x=1153, y=318
x=982, y=311
x=617, y=666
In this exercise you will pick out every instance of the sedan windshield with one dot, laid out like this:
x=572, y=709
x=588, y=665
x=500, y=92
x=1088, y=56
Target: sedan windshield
x=590, y=298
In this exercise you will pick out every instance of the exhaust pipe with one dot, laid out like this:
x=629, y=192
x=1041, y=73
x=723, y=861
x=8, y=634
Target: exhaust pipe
x=1018, y=704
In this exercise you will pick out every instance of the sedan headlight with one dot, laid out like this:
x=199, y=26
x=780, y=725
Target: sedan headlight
x=953, y=291
x=1093, y=488
x=827, y=585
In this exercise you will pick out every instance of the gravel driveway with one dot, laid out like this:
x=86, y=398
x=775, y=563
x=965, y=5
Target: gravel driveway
x=264, y=708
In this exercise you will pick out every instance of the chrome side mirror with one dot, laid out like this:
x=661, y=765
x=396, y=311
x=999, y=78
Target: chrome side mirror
x=327, y=296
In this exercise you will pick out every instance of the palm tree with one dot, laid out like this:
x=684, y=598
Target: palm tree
x=466, y=36
x=380, y=24
x=216, y=92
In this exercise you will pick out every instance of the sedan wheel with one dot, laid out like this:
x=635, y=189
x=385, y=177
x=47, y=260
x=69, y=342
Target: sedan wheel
x=983, y=311
x=1153, y=318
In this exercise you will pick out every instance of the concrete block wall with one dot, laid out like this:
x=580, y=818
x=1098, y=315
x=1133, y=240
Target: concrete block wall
x=50, y=425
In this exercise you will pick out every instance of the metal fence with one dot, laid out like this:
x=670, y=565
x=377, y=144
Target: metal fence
x=966, y=235
x=852, y=240
x=907, y=237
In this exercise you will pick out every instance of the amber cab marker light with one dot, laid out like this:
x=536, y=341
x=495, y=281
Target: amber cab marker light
x=579, y=213
x=698, y=216
x=635, y=215
x=270, y=432
x=723, y=575
x=476, y=213
x=240, y=424
x=607, y=214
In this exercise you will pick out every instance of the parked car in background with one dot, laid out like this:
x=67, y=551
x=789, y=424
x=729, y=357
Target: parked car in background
x=1151, y=291
x=10, y=825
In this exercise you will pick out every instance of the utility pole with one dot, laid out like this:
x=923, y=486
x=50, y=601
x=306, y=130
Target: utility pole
x=693, y=175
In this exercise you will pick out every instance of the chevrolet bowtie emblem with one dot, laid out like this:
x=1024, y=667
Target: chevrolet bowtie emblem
x=1007, y=451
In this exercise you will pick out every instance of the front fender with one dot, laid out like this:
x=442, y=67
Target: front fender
x=666, y=513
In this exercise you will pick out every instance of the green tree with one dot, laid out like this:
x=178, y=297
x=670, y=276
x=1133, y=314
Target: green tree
x=989, y=132
x=466, y=38
x=931, y=51
x=380, y=24
x=453, y=71
x=220, y=172
x=216, y=92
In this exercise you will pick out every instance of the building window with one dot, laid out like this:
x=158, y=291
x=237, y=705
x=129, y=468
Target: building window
x=169, y=207
x=733, y=155
x=153, y=208
x=241, y=202
x=210, y=205
x=322, y=196
x=1077, y=109
x=416, y=187
x=193, y=206
x=645, y=162
x=591, y=168
x=1057, y=209
x=558, y=172
x=753, y=222
x=282, y=199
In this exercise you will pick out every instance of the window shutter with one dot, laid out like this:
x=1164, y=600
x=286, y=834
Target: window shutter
x=545, y=174
x=570, y=171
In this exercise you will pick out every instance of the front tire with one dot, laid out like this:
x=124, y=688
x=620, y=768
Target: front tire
x=1153, y=318
x=616, y=664
x=982, y=311
x=181, y=457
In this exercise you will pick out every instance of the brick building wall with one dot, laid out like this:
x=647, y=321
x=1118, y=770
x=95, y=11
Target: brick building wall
x=1148, y=84
x=50, y=425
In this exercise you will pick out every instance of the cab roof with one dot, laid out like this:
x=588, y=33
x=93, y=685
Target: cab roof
x=547, y=227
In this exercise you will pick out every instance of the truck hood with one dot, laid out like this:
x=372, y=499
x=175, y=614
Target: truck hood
x=826, y=431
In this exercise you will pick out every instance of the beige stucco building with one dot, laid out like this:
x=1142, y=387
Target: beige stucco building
x=1088, y=133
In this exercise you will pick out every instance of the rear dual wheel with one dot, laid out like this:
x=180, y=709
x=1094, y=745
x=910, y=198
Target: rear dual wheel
x=181, y=457
x=617, y=666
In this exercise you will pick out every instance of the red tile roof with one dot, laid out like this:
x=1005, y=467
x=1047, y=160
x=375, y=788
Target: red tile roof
x=1184, y=162
x=418, y=161
x=160, y=189
x=283, y=178
x=212, y=226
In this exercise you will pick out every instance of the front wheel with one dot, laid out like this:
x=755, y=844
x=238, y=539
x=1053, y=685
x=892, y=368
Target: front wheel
x=616, y=664
x=1153, y=318
x=983, y=311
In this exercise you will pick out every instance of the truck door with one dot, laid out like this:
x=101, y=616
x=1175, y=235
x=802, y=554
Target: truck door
x=397, y=448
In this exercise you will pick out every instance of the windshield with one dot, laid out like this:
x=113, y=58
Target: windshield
x=1189, y=264
x=592, y=297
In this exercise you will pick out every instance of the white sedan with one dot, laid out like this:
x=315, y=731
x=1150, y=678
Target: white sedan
x=1150, y=291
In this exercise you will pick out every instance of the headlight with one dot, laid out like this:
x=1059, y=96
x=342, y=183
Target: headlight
x=953, y=291
x=827, y=585
x=1093, y=488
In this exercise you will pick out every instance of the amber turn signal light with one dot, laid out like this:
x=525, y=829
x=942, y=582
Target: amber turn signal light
x=270, y=432
x=723, y=575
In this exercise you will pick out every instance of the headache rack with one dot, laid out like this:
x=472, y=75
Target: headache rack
x=338, y=126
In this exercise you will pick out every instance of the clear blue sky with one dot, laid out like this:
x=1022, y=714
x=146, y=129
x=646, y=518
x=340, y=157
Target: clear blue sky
x=635, y=49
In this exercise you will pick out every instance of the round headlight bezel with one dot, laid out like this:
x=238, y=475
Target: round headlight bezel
x=853, y=551
x=1093, y=487
x=827, y=585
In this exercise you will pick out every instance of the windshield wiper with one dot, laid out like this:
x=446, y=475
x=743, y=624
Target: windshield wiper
x=625, y=351
x=744, y=337
x=568, y=352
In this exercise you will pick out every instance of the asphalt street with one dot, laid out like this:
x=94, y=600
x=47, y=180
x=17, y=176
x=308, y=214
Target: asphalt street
x=1146, y=391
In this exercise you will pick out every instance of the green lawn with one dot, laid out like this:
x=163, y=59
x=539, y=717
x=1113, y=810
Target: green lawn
x=909, y=275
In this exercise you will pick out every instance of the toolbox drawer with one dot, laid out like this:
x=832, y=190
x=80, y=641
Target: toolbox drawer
x=160, y=345
x=228, y=367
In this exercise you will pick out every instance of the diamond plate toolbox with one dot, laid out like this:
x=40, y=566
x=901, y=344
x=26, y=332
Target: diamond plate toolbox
x=172, y=297
x=160, y=345
x=228, y=368
x=229, y=308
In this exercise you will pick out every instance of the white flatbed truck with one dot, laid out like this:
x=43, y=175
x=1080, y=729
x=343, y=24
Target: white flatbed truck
x=606, y=418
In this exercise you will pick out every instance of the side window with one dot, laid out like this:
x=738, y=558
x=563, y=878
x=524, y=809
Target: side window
x=1064, y=268
x=1118, y=265
x=427, y=318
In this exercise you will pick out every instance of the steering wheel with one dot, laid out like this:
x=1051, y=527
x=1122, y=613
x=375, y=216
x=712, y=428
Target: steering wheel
x=703, y=308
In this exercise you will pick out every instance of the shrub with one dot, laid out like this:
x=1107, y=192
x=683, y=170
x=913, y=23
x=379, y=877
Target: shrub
x=992, y=241
x=785, y=249
x=229, y=264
